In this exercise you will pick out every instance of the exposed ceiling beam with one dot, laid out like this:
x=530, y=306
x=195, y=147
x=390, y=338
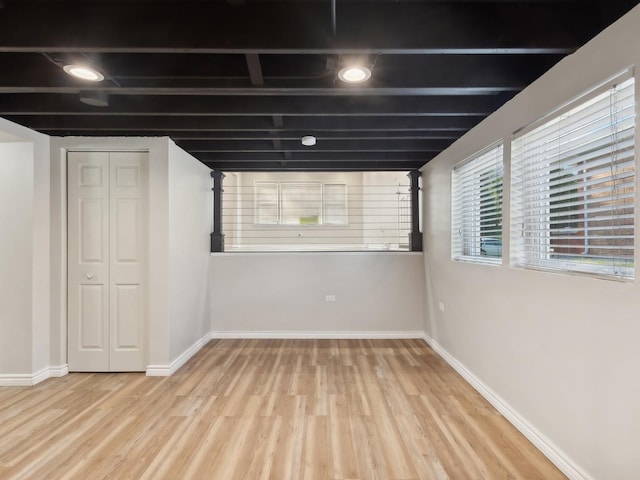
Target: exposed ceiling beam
x=346, y=145
x=309, y=124
x=330, y=165
x=250, y=135
x=264, y=91
x=255, y=69
x=313, y=156
x=391, y=26
x=42, y=104
x=295, y=51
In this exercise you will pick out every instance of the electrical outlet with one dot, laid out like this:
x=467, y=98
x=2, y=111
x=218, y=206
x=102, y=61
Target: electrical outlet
x=441, y=306
x=330, y=298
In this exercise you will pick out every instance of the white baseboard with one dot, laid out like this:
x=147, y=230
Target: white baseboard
x=28, y=380
x=542, y=443
x=59, y=371
x=16, y=380
x=168, y=370
x=40, y=376
x=364, y=335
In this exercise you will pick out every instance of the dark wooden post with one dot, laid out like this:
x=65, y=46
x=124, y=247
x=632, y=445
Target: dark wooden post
x=217, y=237
x=415, y=236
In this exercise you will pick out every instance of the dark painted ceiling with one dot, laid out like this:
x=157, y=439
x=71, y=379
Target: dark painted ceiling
x=237, y=83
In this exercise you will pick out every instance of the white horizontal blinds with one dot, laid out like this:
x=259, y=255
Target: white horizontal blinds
x=477, y=186
x=266, y=203
x=573, y=182
x=300, y=203
x=335, y=204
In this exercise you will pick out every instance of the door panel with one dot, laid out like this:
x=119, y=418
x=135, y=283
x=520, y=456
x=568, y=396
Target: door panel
x=88, y=269
x=128, y=260
x=91, y=310
x=127, y=219
x=127, y=328
x=107, y=260
x=91, y=230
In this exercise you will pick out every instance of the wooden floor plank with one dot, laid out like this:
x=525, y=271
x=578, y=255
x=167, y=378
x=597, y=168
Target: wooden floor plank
x=268, y=410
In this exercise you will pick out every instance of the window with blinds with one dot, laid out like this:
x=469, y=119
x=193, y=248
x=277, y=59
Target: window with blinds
x=476, y=204
x=573, y=187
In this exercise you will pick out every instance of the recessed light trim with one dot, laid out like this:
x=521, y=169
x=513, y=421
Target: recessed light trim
x=354, y=74
x=83, y=72
x=308, y=140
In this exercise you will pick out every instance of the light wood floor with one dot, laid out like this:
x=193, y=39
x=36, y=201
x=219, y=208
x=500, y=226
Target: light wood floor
x=267, y=409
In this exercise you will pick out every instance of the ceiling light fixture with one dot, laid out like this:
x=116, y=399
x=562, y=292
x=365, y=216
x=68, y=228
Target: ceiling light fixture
x=354, y=74
x=83, y=72
x=95, y=98
x=308, y=140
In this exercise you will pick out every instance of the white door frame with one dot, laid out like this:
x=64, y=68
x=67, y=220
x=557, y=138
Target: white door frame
x=60, y=146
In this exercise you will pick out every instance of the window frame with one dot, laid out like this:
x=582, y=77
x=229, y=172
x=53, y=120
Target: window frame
x=468, y=209
x=280, y=187
x=523, y=247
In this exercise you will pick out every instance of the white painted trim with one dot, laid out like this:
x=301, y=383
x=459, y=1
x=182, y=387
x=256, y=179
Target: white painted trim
x=16, y=380
x=40, y=376
x=540, y=441
x=28, y=380
x=158, y=370
x=364, y=335
x=59, y=371
x=168, y=370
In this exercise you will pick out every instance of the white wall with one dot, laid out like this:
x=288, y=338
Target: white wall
x=280, y=294
x=16, y=276
x=560, y=350
x=24, y=252
x=190, y=210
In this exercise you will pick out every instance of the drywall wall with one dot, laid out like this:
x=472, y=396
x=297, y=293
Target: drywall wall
x=284, y=294
x=16, y=256
x=561, y=351
x=24, y=253
x=190, y=210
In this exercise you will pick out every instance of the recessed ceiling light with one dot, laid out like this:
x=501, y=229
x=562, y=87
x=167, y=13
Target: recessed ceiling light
x=83, y=72
x=354, y=74
x=308, y=140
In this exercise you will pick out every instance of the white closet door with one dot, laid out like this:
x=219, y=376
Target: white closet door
x=88, y=257
x=128, y=251
x=107, y=260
